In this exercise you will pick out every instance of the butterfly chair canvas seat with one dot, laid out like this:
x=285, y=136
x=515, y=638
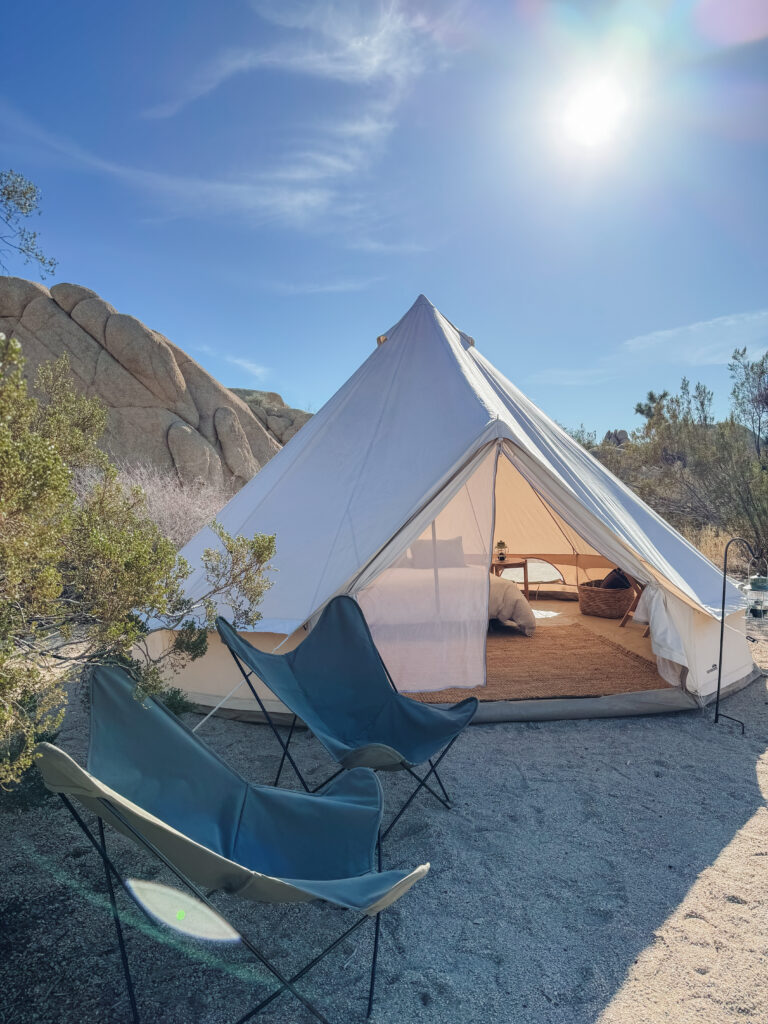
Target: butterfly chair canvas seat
x=155, y=781
x=337, y=683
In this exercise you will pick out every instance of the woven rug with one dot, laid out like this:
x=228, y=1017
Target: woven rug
x=569, y=661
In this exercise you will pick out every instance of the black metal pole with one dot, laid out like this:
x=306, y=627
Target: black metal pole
x=376, y=932
x=118, y=927
x=748, y=546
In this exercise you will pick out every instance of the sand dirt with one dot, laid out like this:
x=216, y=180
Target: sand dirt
x=591, y=872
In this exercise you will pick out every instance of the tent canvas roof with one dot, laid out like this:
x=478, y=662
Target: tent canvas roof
x=389, y=446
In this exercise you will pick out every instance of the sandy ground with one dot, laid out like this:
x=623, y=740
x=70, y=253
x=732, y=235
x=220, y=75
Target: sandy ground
x=609, y=871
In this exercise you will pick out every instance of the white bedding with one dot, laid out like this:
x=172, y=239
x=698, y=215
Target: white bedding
x=507, y=603
x=419, y=594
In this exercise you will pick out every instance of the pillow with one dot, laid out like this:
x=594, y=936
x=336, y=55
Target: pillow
x=615, y=580
x=440, y=554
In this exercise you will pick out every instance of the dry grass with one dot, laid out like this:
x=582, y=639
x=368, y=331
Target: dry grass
x=179, y=510
x=711, y=543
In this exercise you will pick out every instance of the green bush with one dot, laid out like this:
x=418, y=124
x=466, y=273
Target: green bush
x=698, y=472
x=82, y=574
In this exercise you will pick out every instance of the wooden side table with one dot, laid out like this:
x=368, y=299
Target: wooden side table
x=498, y=568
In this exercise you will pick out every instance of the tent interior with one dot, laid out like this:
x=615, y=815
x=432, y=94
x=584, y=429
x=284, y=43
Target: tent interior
x=450, y=619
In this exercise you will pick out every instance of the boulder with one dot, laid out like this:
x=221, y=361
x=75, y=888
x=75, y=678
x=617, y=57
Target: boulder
x=16, y=294
x=616, y=437
x=116, y=387
x=234, y=444
x=282, y=421
x=144, y=355
x=278, y=424
x=92, y=315
x=209, y=395
x=140, y=436
x=196, y=461
x=44, y=326
x=163, y=409
x=67, y=296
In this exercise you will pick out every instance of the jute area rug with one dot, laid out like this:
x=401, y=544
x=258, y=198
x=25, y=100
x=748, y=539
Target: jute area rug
x=569, y=661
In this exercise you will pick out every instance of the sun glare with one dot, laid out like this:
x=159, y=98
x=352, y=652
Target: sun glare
x=594, y=112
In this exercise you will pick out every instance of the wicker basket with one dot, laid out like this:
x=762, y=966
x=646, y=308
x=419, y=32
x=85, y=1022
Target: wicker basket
x=605, y=604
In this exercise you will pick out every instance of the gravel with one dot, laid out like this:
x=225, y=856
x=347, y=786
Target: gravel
x=590, y=872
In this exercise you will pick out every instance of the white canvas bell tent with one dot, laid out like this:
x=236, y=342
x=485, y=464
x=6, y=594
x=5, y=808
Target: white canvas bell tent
x=397, y=489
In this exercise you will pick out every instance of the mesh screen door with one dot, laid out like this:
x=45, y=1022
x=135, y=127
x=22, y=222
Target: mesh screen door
x=428, y=613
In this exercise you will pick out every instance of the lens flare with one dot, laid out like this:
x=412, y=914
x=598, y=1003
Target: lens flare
x=594, y=111
x=180, y=911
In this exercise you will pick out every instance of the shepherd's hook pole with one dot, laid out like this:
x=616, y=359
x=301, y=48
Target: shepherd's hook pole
x=748, y=546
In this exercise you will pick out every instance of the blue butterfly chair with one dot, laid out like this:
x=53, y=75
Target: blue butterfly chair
x=154, y=781
x=337, y=683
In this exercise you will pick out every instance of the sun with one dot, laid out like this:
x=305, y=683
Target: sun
x=595, y=111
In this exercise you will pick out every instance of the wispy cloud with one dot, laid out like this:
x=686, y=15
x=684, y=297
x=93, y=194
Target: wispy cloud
x=377, y=49
x=704, y=343
x=259, y=199
x=376, y=245
x=320, y=287
x=317, y=180
x=256, y=370
x=340, y=40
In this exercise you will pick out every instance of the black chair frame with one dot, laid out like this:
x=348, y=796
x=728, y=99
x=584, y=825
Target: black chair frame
x=285, y=984
x=422, y=781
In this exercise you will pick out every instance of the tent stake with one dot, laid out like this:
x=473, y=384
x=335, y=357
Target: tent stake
x=718, y=716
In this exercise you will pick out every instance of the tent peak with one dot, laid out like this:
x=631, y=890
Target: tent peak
x=439, y=319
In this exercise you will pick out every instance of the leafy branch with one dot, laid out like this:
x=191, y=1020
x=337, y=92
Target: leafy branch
x=20, y=200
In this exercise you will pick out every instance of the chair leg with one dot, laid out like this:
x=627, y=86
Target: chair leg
x=300, y=974
x=371, y=990
x=326, y=781
x=422, y=783
x=376, y=931
x=426, y=785
x=285, y=751
x=439, y=781
x=286, y=984
x=118, y=926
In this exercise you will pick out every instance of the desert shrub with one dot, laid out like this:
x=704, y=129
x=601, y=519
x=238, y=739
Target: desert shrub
x=179, y=510
x=83, y=573
x=698, y=473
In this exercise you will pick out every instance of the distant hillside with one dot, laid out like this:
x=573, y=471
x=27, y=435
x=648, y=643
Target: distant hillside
x=165, y=410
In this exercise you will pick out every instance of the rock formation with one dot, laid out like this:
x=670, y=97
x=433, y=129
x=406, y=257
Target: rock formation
x=164, y=409
x=618, y=438
x=281, y=421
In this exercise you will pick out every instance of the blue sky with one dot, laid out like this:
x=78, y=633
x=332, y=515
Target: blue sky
x=272, y=183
